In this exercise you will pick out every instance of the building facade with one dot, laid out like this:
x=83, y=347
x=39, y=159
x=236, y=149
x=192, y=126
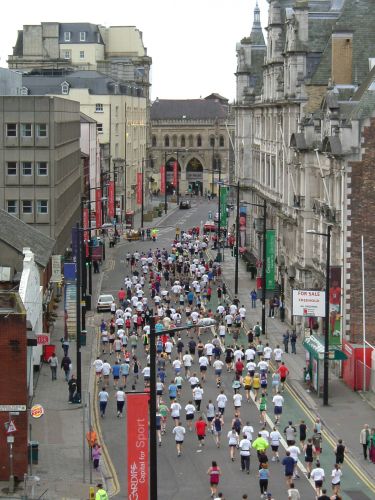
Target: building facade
x=40, y=179
x=304, y=126
x=198, y=134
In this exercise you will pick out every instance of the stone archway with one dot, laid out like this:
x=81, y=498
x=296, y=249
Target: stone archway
x=194, y=176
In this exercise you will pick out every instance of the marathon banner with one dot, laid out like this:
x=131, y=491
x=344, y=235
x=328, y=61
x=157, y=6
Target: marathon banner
x=335, y=306
x=137, y=446
x=111, y=199
x=162, y=179
x=98, y=207
x=175, y=174
x=270, y=259
x=139, y=188
x=86, y=237
x=223, y=206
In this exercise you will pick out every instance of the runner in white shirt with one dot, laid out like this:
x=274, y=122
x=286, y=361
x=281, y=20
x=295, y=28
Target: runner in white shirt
x=187, y=359
x=190, y=412
x=221, y=402
x=203, y=364
x=250, y=354
x=220, y=309
x=278, y=402
x=250, y=367
x=265, y=435
x=98, y=364
x=277, y=354
x=209, y=348
x=175, y=411
x=106, y=370
x=336, y=479
x=237, y=354
x=194, y=381
x=263, y=366
x=318, y=476
x=237, y=402
x=120, y=400
x=168, y=349
x=218, y=367
x=267, y=352
x=177, y=366
x=245, y=447
x=232, y=309
x=222, y=332
x=233, y=442
x=294, y=452
x=198, y=396
x=194, y=316
x=275, y=438
x=248, y=431
x=242, y=311
x=179, y=435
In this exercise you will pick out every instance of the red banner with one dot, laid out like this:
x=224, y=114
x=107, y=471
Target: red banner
x=111, y=199
x=98, y=207
x=162, y=179
x=139, y=188
x=175, y=174
x=86, y=236
x=137, y=432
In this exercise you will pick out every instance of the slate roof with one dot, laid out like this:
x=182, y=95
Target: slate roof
x=91, y=30
x=95, y=82
x=191, y=109
x=19, y=235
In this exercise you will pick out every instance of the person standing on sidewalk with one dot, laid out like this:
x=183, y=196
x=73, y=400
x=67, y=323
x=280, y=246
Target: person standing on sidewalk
x=286, y=338
x=66, y=363
x=96, y=454
x=364, y=439
x=293, y=341
x=253, y=296
x=53, y=363
x=65, y=345
x=101, y=494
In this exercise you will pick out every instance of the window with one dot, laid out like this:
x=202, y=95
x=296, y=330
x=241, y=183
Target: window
x=99, y=128
x=183, y=142
x=11, y=168
x=42, y=168
x=67, y=36
x=212, y=141
x=11, y=206
x=26, y=130
x=11, y=129
x=199, y=141
x=174, y=141
x=41, y=130
x=81, y=54
x=27, y=207
x=27, y=168
x=166, y=141
x=99, y=108
x=221, y=141
x=67, y=54
x=191, y=141
x=82, y=36
x=154, y=141
x=65, y=88
x=42, y=206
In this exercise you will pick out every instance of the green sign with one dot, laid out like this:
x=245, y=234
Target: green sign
x=270, y=259
x=223, y=206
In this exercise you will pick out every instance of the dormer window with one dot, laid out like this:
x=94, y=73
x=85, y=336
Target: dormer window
x=82, y=36
x=65, y=88
x=67, y=36
x=24, y=91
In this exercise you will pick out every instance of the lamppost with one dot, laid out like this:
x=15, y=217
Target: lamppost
x=213, y=169
x=183, y=150
x=264, y=232
x=218, y=257
x=326, y=319
x=142, y=192
x=165, y=183
x=204, y=323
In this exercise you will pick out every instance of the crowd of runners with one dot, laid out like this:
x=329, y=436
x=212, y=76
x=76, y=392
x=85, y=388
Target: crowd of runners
x=178, y=286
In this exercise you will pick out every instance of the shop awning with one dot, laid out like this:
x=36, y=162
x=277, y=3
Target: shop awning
x=315, y=347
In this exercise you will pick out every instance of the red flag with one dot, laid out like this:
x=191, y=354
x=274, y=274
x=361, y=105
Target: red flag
x=162, y=179
x=139, y=188
x=175, y=174
x=86, y=236
x=98, y=207
x=111, y=199
x=137, y=446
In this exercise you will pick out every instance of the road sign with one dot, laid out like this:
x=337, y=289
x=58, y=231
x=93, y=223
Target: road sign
x=10, y=427
x=14, y=413
x=9, y=408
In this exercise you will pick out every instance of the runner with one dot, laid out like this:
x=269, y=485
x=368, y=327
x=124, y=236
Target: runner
x=214, y=473
x=233, y=442
x=179, y=435
x=200, y=427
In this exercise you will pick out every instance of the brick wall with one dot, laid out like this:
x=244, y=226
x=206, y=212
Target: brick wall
x=13, y=346
x=361, y=221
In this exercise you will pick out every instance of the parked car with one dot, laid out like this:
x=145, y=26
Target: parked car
x=185, y=204
x=104, y=302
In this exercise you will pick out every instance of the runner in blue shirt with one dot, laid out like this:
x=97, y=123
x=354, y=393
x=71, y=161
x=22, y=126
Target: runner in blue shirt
x=172, y=390
x=116, y=374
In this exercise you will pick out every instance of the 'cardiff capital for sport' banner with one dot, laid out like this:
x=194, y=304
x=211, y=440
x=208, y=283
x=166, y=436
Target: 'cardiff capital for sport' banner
x=223, y=206
x=98, y=207
x=138, y=458
x=270, y=259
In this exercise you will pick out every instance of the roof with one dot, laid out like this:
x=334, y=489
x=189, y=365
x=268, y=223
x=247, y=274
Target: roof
x=96, y=83
x=18, y=235
x=86, y=119
x=189, y=109
x=91, y=30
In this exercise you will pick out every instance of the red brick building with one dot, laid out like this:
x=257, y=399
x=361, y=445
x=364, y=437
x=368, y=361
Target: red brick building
x=13, y=349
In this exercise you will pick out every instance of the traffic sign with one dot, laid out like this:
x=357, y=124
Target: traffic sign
x=10, y=427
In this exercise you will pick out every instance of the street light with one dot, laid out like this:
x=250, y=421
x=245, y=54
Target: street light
x=203, y=323
x=264, y=231
x=326, y=319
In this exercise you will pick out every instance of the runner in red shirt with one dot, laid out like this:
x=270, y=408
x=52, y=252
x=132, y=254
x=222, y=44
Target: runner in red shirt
x=200, y=428
x=239, y=367
x=121, y=295
x=284, y=372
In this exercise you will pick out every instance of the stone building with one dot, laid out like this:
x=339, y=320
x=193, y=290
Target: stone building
x=198, y=134
x=308, y=129
x=40, y=163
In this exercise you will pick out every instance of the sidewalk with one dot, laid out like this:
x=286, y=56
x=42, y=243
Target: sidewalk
x=347, y=412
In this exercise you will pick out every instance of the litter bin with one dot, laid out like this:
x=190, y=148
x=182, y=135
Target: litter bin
x=83, y=337
x=33, y=452
x=88, y=302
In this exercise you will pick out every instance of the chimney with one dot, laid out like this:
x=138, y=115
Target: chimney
x=342, y=57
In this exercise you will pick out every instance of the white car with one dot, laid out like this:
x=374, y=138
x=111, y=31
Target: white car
x=104, y=302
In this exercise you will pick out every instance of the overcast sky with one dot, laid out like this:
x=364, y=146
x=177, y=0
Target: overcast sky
x=192, y=43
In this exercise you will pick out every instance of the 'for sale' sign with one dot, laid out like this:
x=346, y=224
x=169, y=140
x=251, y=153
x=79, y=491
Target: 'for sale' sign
x=309, y=303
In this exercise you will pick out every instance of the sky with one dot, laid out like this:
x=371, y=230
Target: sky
x=192, y=43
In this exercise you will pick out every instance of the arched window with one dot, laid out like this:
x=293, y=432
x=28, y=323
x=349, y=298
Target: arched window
x=199, y=141
x=212, y=141
x=166, y=141
x=174, y=141
x=191, y=141
x=182, y=141
x=154, y=141
x=221, y=141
